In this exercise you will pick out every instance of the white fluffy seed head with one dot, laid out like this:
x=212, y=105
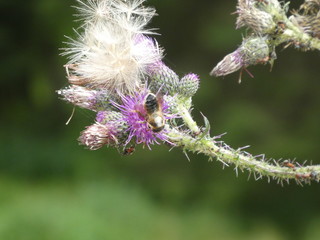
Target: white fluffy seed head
x=111, y=50
x=92, y=10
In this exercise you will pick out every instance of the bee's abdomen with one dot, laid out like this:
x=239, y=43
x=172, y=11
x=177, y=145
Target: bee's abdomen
x=151, y=104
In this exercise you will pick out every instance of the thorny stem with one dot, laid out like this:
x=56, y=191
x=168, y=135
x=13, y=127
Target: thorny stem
x=187, y=118
x=257, y=165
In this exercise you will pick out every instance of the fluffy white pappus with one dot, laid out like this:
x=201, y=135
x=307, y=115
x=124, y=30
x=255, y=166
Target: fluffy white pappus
x=111, y=51
x=92, y=10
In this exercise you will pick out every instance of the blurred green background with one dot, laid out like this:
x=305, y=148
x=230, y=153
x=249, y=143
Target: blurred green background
x=51, y=188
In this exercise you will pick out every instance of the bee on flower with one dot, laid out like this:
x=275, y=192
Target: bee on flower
x=146, y=117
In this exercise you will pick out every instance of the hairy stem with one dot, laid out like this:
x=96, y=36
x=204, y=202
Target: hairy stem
x=258, y=165
x=187, y=118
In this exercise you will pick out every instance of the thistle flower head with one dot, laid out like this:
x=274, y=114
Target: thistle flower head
x=109, y=129
x=229, y=64
x=252, y=51
x=85, y=98
x=97, y=135
x=111, y=50
x=189, y=85
x=136, y=115
x=309, y=19
x=255, y=16
x=162, y=78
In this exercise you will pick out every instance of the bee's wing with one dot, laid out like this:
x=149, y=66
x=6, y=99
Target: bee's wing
x=160, y=100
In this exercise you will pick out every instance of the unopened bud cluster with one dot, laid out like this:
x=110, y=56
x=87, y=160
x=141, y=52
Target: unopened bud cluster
x=168, y=82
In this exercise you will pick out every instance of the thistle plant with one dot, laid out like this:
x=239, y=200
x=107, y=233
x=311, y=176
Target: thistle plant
x=116, y=70
x=269, y=26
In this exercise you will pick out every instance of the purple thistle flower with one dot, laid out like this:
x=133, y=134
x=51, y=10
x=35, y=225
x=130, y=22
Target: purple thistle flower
x=135, y=114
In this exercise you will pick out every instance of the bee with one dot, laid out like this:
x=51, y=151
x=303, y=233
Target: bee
x=154, y=114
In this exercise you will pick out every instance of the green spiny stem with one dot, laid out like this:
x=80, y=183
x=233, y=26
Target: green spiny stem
x=188, y=120
x=257, y=165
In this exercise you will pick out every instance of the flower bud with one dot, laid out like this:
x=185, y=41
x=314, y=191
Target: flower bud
x=98, y=135
x=255, y=16
x=104, y=117
x=163, y=78
x=114, y=120
x=189, y=85
x=85, y=98
x=252, y=51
